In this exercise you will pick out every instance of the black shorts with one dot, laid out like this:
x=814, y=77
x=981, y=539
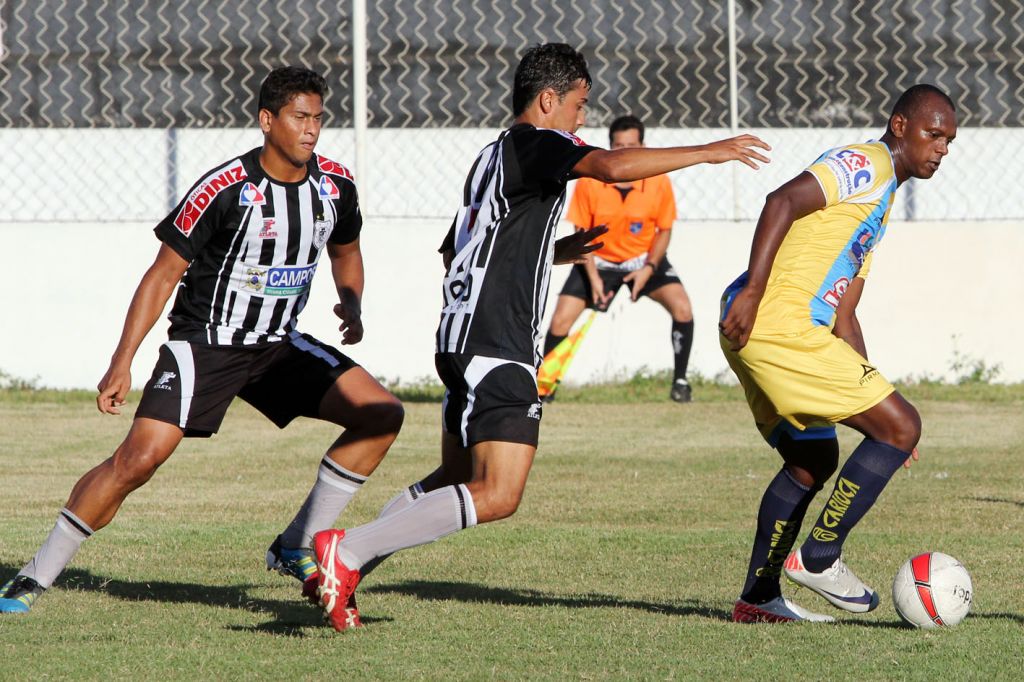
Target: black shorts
x=193, y=384
x=489, y=399
x=578, y=284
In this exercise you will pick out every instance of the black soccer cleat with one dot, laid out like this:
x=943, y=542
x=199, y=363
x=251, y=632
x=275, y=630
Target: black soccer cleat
x=681, y=391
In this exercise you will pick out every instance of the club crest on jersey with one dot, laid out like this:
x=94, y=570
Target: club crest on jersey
x=268, y=231
x=327, y=188
x=321, y=231
x=251, y=196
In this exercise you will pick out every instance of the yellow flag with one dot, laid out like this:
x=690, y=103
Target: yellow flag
x=557, y=361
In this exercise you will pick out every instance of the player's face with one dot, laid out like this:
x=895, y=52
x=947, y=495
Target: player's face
x=569, y=112
x=927, y=134
x=625, y=139
x=293, y=133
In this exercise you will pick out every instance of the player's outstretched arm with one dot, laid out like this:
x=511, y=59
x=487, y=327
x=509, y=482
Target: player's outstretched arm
x=347, y=270
x=150, y=298
x=799, y=197
x=635, y=163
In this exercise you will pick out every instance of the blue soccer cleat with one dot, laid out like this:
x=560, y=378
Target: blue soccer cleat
x=298, y=563
x=18, y=594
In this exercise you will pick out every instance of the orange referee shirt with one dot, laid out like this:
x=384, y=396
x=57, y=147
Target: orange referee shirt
x=632, y=222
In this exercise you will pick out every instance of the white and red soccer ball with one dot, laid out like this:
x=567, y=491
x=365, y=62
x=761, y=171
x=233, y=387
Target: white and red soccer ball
x=932, y=590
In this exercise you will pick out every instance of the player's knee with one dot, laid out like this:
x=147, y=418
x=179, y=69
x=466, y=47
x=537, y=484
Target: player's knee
x=561, y=324
x=905, y=430
x=134, y=465
x=383, y=418
x=682, y=311
x=501, y=504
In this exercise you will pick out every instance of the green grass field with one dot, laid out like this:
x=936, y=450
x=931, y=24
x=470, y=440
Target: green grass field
x=623, y=561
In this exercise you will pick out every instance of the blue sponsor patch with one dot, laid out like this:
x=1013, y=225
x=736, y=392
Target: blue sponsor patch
x=636, y=227
x=289, y=281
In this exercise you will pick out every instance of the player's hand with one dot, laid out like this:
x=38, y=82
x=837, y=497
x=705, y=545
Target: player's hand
x=914, y=456
x=351, y=326
x=638, y=280
x=739, y=321
x=742, y=148
x=113, y=388
x=573, y=248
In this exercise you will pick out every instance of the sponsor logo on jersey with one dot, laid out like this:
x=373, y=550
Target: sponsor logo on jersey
x=288, y=280
x=327, y=188
x=164, y=382
x=254, y=279
x=636, y=227
x=835, y=294
x=333, y=167
x=204, y=194
x=321, y=231
x=268, y=231
x=569, y=136
x=251, y=196
x=854, y=171
x=860, y=247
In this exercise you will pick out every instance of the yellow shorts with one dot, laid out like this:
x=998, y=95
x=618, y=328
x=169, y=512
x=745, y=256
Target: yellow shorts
x=809, y=380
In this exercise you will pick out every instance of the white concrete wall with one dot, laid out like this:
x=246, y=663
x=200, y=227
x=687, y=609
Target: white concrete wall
x=935, y=289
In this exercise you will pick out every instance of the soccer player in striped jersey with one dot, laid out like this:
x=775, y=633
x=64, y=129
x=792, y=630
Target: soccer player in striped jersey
x=789, y=330
x=241, y=249
x=498, y=256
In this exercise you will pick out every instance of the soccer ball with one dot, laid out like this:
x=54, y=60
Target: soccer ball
x=932, y=590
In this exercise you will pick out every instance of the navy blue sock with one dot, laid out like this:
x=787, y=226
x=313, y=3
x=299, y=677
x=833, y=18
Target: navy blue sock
x=778, y=523
x=858, y=485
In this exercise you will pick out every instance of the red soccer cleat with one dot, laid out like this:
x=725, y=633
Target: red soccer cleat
x=336, y=582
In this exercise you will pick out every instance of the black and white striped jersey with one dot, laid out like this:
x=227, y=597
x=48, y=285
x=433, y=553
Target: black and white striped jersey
x=253, y=244
x=502, y=241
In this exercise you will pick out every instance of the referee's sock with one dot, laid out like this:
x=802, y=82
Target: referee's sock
x=57, y=551
x=858, y=485
x=552, y=340
x=335, y=486
x=779, y=517
x=682, y=342
x=429, y=517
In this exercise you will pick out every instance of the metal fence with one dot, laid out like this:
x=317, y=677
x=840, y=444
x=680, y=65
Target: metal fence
x=110, y=109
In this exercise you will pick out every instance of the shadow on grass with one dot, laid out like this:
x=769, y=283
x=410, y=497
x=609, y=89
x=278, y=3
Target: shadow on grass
x=470, y=592
x=998, y=500
x=289, y=618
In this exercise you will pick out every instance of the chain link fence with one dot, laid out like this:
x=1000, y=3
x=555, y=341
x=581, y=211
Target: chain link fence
x=109, y=110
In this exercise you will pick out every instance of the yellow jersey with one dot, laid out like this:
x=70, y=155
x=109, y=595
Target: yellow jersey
x=825, y=250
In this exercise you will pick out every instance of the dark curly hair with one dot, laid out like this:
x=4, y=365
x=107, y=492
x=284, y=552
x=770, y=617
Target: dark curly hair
x=553, y=65
x=283, y=84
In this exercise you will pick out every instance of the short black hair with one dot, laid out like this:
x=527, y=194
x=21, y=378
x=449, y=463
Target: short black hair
x=627, y=122
x=914, y=97
x=283, y=84
x=553, y=65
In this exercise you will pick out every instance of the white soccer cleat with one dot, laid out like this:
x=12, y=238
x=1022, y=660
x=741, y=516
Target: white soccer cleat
x=837, y=584
x=778, y=610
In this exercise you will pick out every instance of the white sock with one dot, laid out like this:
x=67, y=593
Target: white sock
x=335, y=486
x=427, y=518
x=402, y=500
x=60, y=546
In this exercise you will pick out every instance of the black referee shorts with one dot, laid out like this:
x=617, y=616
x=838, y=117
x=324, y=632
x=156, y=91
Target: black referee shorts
x=489, y=399
x=578, y=284
x=193, y=384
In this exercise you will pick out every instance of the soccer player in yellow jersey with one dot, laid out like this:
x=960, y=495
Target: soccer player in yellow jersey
x=789, y=330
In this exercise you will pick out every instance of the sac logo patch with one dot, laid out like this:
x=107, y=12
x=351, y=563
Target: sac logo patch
x=327, y=188
x=251, y=196
x=853, y=170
